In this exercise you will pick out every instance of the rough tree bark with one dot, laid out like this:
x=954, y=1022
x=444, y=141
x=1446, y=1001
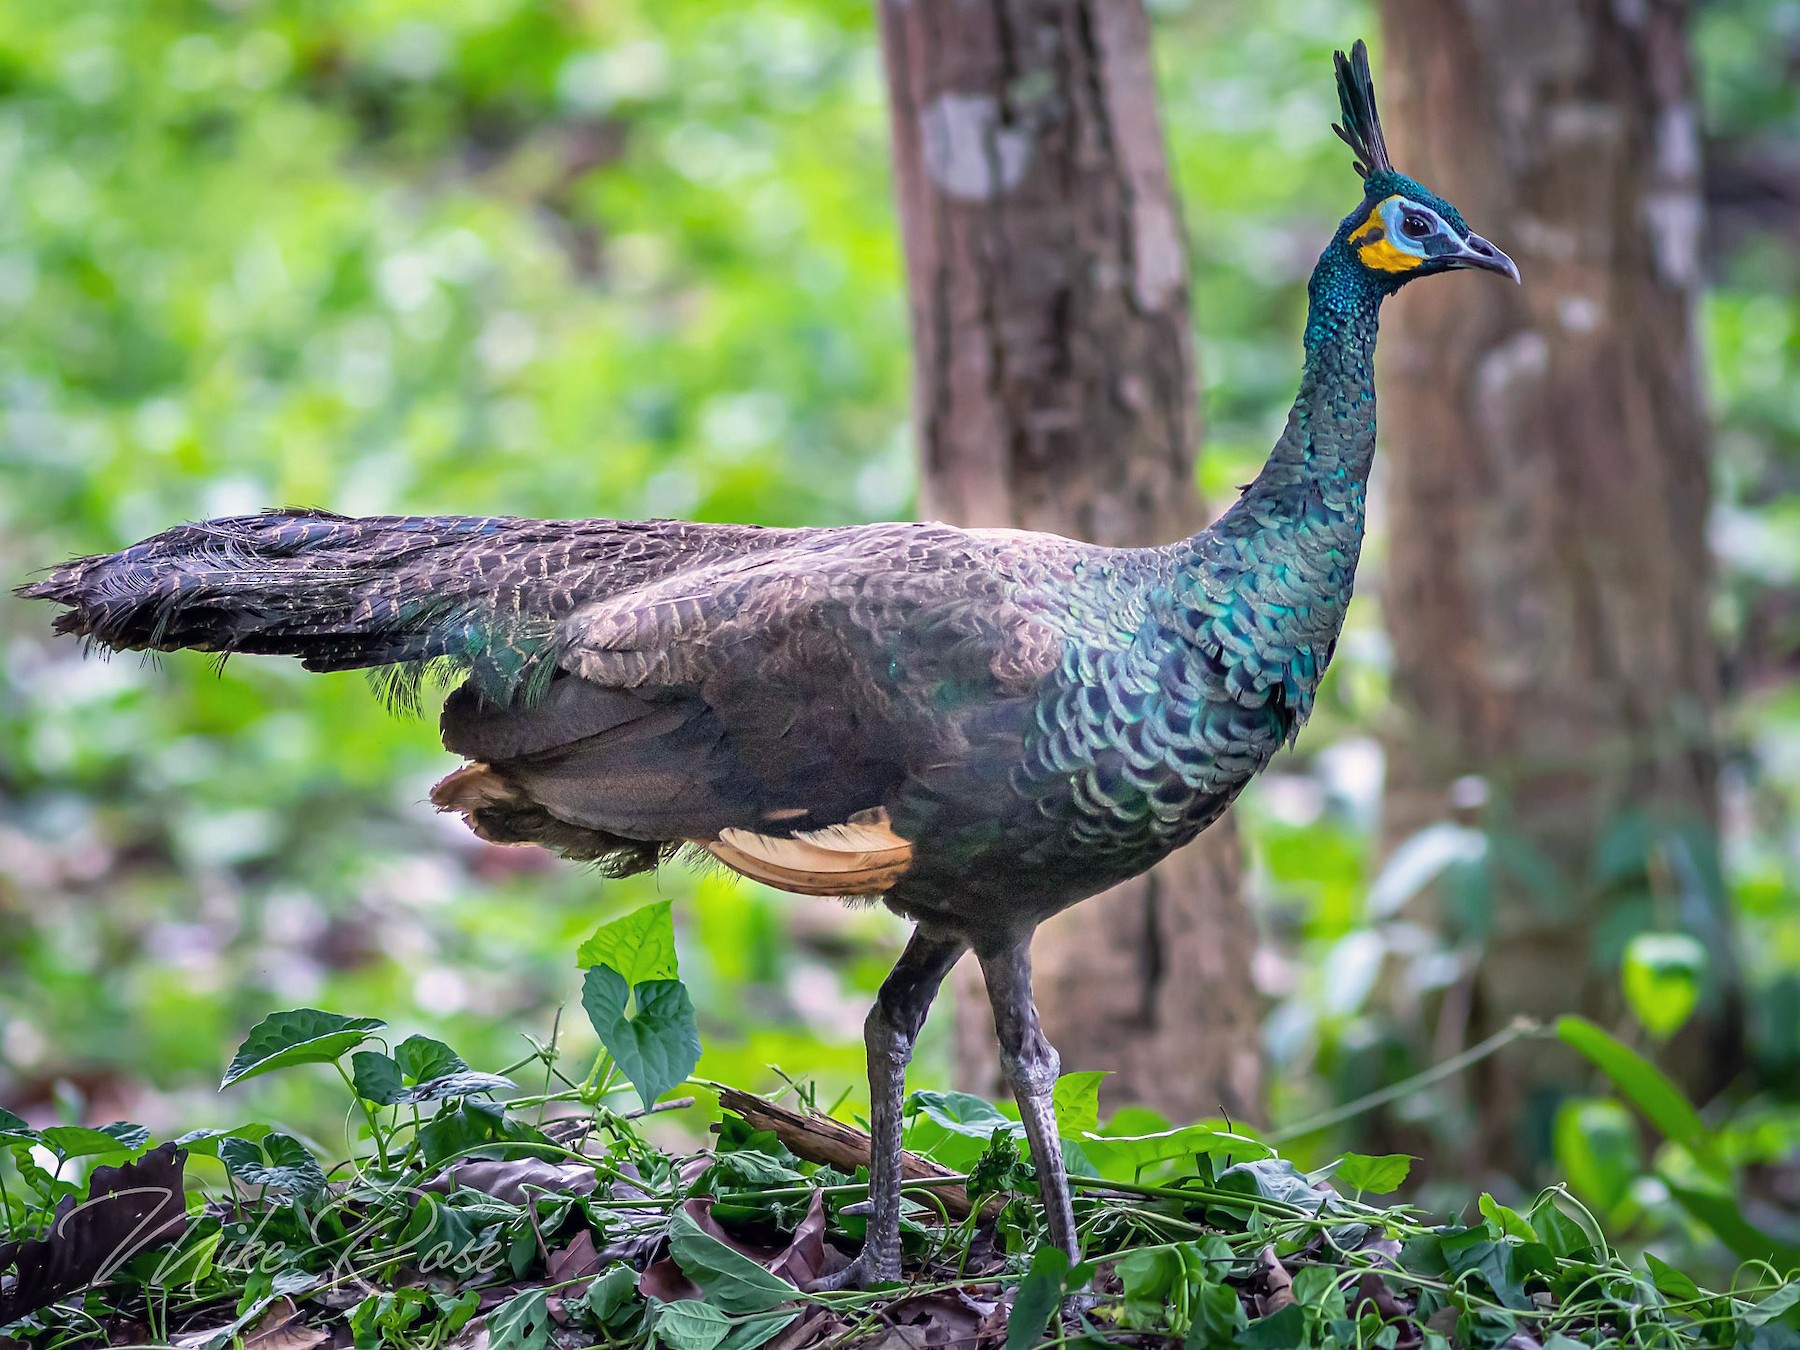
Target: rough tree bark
x=1055, y=391
x=1547, y=456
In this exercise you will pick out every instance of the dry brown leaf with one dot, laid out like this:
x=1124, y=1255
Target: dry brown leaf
x=284, y=1328
x=518, y=1181
x=1278, y=1285
x=576, y=1261
x=128, y=1209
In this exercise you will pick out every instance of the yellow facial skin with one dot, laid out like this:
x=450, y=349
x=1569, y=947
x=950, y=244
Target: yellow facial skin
x=1380, y=254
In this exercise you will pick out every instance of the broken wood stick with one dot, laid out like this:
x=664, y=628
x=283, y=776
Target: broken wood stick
x=820, y=1139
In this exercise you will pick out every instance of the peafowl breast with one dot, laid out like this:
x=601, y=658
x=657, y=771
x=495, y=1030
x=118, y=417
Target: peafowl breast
x=978, y=727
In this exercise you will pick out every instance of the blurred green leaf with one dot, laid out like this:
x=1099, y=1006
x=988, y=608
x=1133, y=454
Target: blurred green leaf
x=1596, y=1145
x=1421, y=859
x=1663, y=974
x=1646, y=1086
x=1725, y=1217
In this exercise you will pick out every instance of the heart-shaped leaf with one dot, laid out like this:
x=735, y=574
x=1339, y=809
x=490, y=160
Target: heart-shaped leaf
x=376, y=1077
x=276, y=1160
x=1378, y=1174
x=301, y=1036
x=640, y=946
x=658, y=1047
x=422, y=1059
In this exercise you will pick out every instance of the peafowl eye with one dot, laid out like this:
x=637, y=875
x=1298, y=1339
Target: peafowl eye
x=1408, y=234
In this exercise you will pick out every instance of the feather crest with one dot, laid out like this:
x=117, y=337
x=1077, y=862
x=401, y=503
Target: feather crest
x=1361, y=127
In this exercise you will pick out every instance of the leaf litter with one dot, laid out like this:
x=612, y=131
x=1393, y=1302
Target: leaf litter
x=550, y=1221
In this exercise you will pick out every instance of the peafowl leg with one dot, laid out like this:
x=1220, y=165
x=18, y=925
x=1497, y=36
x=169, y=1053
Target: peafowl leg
x=890, y=1033
x=1031, y=1065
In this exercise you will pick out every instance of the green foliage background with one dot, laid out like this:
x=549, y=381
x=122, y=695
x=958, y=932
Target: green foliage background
x=630, y=258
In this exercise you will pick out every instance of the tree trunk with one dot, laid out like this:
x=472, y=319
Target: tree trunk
x=1055, y=391
x=1548, y=577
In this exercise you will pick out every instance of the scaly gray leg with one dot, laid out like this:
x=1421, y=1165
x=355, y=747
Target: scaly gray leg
x=890, y=1033
x=1031, y=1065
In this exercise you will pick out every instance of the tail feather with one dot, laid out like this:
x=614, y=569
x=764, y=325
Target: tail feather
x=405, y=596
x=339, y=593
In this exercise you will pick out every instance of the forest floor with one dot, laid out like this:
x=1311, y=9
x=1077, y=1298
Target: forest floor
x=472, y=1212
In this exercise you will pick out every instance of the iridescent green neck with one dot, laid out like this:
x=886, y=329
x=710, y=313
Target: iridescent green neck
x=1329, y=440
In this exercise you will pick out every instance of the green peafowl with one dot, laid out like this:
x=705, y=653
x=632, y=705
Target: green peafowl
x=978, y=727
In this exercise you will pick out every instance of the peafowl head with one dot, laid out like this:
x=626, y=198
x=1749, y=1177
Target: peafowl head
x=1402, y=229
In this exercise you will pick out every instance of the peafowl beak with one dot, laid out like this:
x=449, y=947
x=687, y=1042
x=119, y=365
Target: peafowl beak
x=1477, y=253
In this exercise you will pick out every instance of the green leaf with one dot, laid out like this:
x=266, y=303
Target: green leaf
x=1670, y=1282
x=278, y=1159
x=1218, y=1318
x=1596, y=1146
x=1563, y=1235
x=1783, y=1301
x=961, y=1113
x=376, y=1078
x=1040, y=1292
x=1077, y=1099
x=688, y=1324
x=14, y=1127
x=1378, y=1174
x=468, y=1128
x=1280, y=1330
x=81, y=1141
x=659, y=1047
x=1509, y=1221
x=1746, y=1241
x=206, y=1142
x=609, y=1295
x=422, y=1059
x=640, y=946
x=1662, y=978
x=1645, y=1085
x=732, y=1281
x=521, y=1323
x=758, y=1328
x=1275, y=1179
x=465, y=1083
x=302, y=1036
x=1121, y=1156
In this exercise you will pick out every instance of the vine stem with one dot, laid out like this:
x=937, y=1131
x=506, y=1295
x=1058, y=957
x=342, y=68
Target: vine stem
x=1523, y=1028
x=381, y=1157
